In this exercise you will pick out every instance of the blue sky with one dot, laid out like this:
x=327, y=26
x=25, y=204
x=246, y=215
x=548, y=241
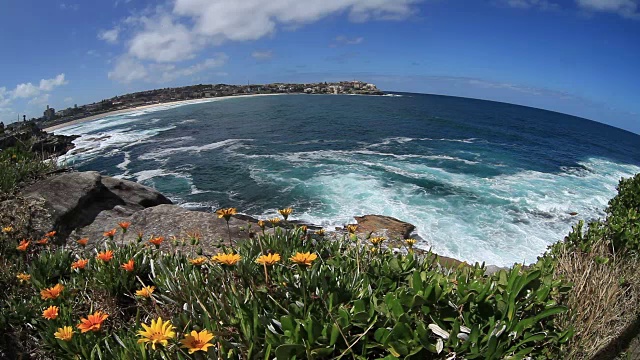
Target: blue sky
x=573, y=56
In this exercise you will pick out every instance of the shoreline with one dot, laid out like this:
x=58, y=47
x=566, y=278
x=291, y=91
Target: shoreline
x=146, y=107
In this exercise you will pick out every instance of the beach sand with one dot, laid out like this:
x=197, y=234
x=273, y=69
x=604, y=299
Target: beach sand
x=145, y=107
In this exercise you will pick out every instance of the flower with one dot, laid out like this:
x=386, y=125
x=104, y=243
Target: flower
x=352, y=229
x=52, y=292
x=158, y=333
x=105, y=256
x=51, y=312
x=43, y=241
x=377, y=240
x=262, y=224
x=24, y=244
x=157, y=240
x=374, y=250
x=50, y=234
x=64, y=333
x=110, y=234
x=303, y=228
x=198, y=261
x=23, y=277
x=197, y=341
x=226, y=213
x=7, y=229
x=410, y=242
x=274, y=221
x=83, y=241
x=285, y=213
x=320, y=232
x=146, y=291
x=79, y=264
x=124, y=226
x=226, y=259
x=303, y=258
x=128, y=266
x=92, y=322
x=268, y=259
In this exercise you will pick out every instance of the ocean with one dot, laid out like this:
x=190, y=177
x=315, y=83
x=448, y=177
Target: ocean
x=481, y=181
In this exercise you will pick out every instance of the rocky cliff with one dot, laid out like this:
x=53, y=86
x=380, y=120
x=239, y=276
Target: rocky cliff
x=39, y=140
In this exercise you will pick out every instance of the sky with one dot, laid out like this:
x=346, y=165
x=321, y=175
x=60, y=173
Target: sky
x=579, y=57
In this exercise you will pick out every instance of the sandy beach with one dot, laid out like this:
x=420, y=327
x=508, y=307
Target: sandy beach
x=145, y=107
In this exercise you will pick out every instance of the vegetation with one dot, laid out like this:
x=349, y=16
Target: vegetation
x=287, y=293
x=19, y=166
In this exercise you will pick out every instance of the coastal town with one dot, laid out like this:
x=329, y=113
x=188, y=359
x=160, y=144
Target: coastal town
x=51, y=117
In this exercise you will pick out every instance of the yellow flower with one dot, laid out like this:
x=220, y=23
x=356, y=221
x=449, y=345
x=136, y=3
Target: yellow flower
x=320, y=232
x=79, y=264
x=158, y=333
x=7, y=229
x=303, y=228
x=285, y=213
x=374, y=250
x=93, y=322
x=51, y=312
x=64, y=333
x=23, y=277
x=226, y=213
x=52, y=292
x=128, y=266
x=377, y=240
x=352, y=229
x=198, y=261
x=262, y=224
x=24, y=244
x=274, y=221
x=146, y=291
x=411, y=242
x=269, y=259
x=197, y=341
x=226, y=259
x=303, y=258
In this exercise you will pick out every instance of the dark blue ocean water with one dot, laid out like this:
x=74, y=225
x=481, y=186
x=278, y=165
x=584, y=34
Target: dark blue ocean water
x=482, y=181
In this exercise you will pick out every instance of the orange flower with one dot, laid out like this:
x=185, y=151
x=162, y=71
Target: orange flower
x=268, y=259
x=303, y=258
x=23, y=277
x=226, y=213
x=50, y=313
x=24, y=244
x=226, y=259
x=105, y=256
x=52, y=292
x=79, y=264
x=92, y=322
x=50, y=234
x=124, y=226
x=110, y=234
x=198, y=261
x=42, y=241
x=157, y=240
x=128, y=265
x=83, y=241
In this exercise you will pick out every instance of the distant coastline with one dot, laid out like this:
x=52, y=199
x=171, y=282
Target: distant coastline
x=146, y=107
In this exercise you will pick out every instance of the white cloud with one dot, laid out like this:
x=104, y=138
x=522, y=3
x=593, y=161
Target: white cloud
x=50, y=84
x=73, y=7
x=343, y=40
x=625, y=8
x=5, y=97
x=262, y=55
x=129, y=69
x=110, y=36
x=25, y=90
x=164, y=40
x=41, y=100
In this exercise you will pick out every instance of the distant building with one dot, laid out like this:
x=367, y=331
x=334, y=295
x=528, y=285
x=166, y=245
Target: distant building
x=50, y=113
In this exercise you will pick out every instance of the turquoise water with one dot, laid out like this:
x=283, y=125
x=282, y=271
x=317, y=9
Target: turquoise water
x=482, y=181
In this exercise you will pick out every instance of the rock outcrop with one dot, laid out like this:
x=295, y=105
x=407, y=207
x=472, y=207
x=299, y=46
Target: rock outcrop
x=76, y=199
x=386, y=226
x=43, y=142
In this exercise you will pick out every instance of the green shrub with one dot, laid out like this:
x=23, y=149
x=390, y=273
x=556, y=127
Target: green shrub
x=19, y=166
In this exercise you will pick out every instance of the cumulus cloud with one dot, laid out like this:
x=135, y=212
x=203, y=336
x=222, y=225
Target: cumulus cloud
x=164, y=40
x=110, y=36
x=25, y=90
x=129, y=69
x=625, y=8
x=50, y=84
x=262, y=55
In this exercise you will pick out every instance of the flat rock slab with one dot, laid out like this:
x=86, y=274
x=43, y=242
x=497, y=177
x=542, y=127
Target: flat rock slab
x=387, y=226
